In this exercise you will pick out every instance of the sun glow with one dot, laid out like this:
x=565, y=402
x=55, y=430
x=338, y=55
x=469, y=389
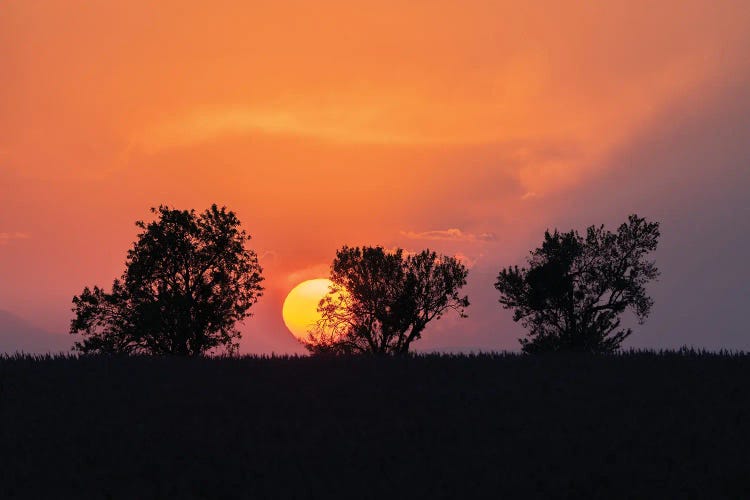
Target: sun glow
x=300, y=310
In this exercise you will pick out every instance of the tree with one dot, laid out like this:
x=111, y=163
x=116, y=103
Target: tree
x=380, y=302
x=188, y=280
x=571, y=296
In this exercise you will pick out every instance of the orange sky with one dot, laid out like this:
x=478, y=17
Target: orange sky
x=457, y=125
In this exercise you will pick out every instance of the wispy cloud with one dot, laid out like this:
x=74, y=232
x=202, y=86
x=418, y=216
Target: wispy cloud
x=451, y=234
x=6, y=237
x=308, y=273
x=467, y=260
x=357, y=124
x=268, y=256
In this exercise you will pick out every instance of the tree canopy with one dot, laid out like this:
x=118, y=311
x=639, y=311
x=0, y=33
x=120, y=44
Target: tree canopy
x=575, y=288
x=381, y=301
x=188, y=280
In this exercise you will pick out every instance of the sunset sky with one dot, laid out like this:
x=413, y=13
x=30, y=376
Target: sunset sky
x=468, y=127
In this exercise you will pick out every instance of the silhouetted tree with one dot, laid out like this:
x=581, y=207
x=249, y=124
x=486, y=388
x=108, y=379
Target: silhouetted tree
x=188, y=280
x=575, y=288
x=380, y=301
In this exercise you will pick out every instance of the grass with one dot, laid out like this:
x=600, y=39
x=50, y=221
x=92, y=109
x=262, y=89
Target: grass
x=639, y=424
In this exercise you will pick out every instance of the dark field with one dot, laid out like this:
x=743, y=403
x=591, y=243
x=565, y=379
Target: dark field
x=635, y=425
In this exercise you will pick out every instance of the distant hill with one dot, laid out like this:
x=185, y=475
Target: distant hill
x=17, y=334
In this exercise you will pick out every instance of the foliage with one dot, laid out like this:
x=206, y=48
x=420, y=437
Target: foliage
x=381, y=301
x=188, y=280
x=575, y=289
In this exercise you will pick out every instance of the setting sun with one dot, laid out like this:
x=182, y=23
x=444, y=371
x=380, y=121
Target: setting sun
x=300, y=311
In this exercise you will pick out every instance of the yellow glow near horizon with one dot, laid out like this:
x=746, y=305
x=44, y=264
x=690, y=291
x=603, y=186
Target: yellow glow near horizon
x=300, y=310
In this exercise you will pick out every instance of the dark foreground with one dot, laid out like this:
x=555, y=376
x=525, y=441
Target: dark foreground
x=638, y=425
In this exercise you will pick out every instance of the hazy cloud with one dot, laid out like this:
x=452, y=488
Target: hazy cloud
x=268, y=256
x=466, y=260
x=6, y=237
x=451, y=234
x=308, y=273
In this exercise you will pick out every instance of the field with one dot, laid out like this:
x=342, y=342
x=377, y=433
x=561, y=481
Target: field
x=638, y=425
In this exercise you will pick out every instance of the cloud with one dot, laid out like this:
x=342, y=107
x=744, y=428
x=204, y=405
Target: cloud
x=466, y=260
x=268, y=256
x=451, y=234
x=6, y=237
x=339, y=126
x=308, y=273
